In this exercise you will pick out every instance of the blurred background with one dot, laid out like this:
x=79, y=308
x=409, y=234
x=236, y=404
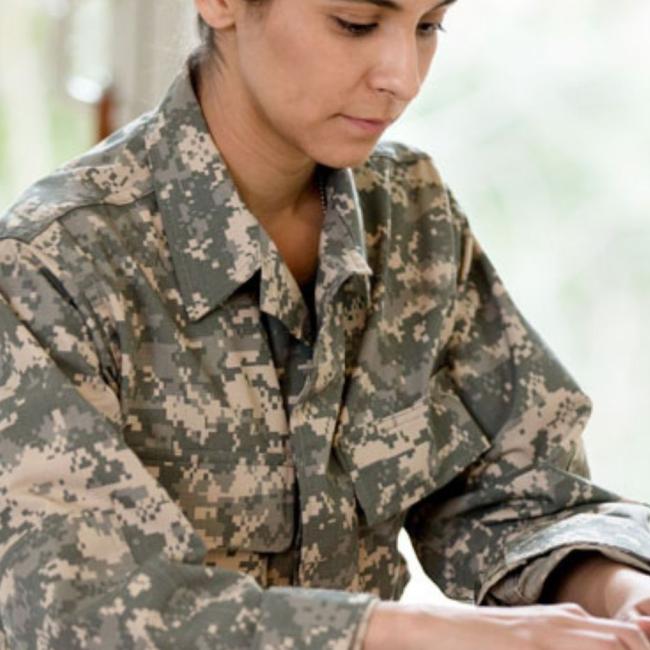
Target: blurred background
x=536, y=114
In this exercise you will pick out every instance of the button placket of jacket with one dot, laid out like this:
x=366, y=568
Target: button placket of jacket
x=297, y=545
x=297, y=422
x=313, y=468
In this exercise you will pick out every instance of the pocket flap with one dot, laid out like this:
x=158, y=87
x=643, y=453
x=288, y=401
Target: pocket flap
x=399, y=459
x=232, y=504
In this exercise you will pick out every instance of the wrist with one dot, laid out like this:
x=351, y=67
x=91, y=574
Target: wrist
x=384, y=623
x=394, y=625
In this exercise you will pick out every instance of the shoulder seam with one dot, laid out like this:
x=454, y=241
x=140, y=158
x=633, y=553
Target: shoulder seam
x=65, y=213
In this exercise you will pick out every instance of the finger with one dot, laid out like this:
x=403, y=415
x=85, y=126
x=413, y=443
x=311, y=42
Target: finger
x=629, y=633
x=635, y=617
x=644, y=624
x=593, y=640
x=574, y=609
x=643, y=607
x=641, y=637
x=640, y=618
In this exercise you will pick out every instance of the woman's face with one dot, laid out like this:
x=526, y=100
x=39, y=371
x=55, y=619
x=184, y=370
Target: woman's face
x=306, y=71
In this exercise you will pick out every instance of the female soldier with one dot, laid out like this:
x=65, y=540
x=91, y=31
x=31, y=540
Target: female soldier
x=242, y=345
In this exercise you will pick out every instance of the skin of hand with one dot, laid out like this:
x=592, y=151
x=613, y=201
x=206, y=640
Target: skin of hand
x=599, y=603
x=466, y=627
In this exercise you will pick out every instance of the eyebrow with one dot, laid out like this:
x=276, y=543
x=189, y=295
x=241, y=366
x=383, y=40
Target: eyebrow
x=396, y=6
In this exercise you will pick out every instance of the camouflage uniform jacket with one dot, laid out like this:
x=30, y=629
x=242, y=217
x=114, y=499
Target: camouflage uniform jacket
x=161, y=487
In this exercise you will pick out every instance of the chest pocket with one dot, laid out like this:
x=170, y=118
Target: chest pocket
x=399, y=459
x=241, y=510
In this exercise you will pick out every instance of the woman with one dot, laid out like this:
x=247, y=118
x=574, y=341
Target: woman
x=242, y=345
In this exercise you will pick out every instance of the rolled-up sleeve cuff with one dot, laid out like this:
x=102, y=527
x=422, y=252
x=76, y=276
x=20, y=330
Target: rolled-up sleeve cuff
x=313, y=619
x=622, y=534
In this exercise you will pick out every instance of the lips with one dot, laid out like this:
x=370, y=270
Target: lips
x=370, y=120
x=365, y=125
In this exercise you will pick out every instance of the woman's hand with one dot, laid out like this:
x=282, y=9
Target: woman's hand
x=467, y=627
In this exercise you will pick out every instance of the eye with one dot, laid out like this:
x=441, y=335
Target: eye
x=429, y=29
x=355, y=29
x=360, y=29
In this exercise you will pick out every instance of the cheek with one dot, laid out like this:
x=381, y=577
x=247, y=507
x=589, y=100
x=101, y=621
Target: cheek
x=299, y=95
x=298, y=74
x=298, y=87
x=426, y=62
x=301, y=65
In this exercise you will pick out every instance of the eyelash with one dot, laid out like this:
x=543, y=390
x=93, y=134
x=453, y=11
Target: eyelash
x=361, y=29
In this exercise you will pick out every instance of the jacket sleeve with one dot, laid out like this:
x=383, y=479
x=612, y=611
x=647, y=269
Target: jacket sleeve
x=494, y=533
x=93, y=552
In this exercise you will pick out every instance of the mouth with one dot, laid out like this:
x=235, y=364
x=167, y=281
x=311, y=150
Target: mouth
x=368, y=125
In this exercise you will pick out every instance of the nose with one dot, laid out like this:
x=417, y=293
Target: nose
x=398, y=70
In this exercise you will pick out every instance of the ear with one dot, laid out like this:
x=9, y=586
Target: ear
x=219, y=14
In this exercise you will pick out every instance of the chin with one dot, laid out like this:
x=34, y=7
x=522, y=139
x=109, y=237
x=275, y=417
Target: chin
x=354, y=157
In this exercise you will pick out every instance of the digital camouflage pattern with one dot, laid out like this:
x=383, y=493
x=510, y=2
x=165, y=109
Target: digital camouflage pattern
x=186, y=462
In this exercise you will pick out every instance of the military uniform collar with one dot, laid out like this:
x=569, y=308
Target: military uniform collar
x=216, y=243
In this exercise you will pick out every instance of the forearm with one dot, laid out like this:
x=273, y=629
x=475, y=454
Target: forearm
x=589, y=579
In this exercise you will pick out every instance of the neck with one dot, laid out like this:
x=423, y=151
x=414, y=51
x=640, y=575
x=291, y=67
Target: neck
x=274, y=180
